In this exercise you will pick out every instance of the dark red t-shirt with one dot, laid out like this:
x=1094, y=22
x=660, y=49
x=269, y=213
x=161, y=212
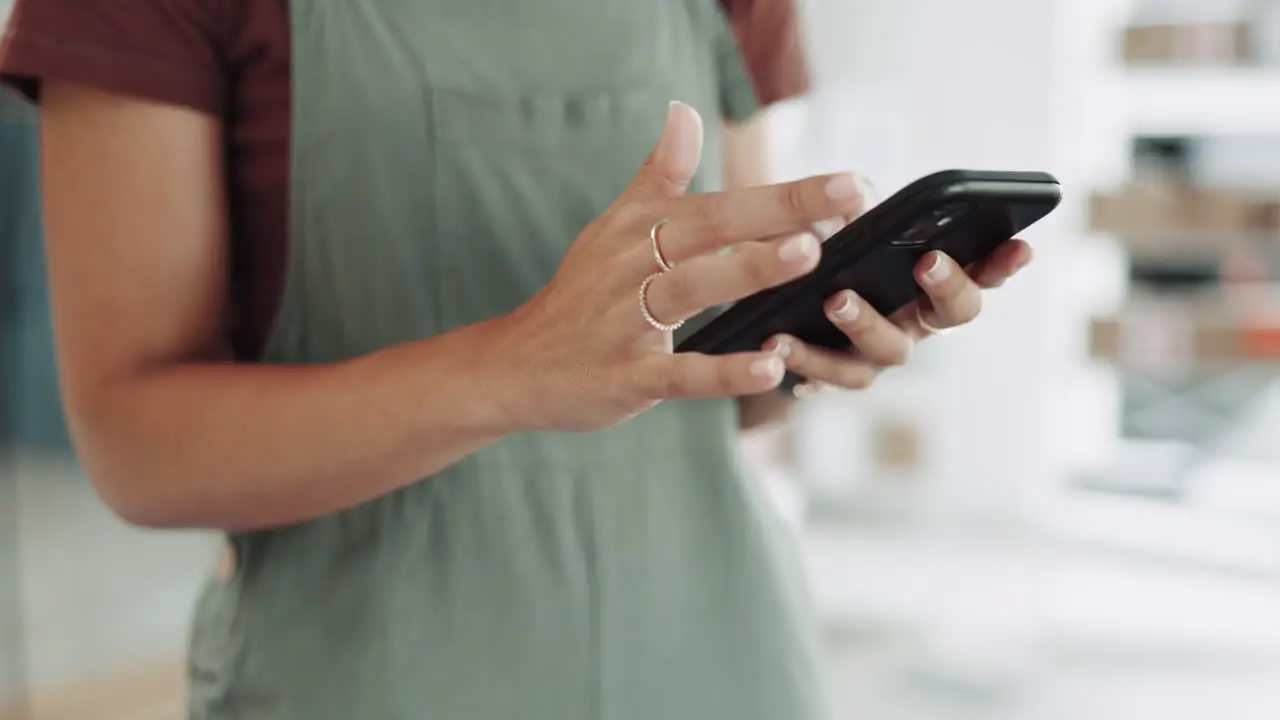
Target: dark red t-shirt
x=231, y=59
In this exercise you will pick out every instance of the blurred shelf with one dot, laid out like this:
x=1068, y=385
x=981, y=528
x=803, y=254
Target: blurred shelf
x=1230, y=257
x=1202, y=101
x=1178, y=219
x=1179, y=336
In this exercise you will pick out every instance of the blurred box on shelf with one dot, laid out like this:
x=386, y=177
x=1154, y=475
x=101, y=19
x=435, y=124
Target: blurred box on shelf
x=1218, y=43
x=898, y=445
x=1181, y=219
x=1234, y=326
x=1137, y=210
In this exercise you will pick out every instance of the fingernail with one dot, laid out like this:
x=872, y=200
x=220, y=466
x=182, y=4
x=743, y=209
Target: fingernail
x=847, y=308
x=824, y=229
x=870, y=196
x=1024, y=258
x=809, y=389
x=664, y=140
x=671, y=116
x=770, y=368
x=800, y=247
x=672, y=108
x=780, y=346
x=842, y=187
x=940, y=269
x=678, y=143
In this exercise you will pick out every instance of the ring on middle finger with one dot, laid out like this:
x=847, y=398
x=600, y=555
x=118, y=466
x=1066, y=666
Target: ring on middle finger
x=658, y=255
x=647, y=312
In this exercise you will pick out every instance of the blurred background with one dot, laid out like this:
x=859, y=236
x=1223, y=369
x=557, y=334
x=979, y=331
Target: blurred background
x=1069, y=510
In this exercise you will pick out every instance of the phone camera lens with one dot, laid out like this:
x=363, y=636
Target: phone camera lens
x=930, y=226
x=944, y=216
x=917, y=235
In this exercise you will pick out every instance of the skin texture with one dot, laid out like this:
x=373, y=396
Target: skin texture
x=953, y=298
x=158, y=410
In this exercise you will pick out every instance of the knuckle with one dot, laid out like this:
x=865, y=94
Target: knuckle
x=667, y=383
x=795, y=199
x=630, y=214
x=713, y=215
x=726, y=377
x=676, y=385
x=758, y=267
x=678, y=290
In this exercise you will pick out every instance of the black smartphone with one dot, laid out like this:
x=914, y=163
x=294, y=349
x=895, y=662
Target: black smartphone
x=964, y=213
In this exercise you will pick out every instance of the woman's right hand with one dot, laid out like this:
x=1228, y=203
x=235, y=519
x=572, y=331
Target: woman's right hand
x=585, y=355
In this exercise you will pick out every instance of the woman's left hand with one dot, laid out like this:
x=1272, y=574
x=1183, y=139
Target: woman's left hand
x=953, y=297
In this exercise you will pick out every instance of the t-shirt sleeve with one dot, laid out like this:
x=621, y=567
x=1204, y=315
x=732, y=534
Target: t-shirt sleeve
x=770, y=37
x=168, y=51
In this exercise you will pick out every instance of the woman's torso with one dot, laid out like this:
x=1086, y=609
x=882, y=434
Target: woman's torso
x=233, y=58
x=403, y=167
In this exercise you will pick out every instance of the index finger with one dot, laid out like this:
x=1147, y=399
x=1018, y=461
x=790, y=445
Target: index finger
x=705, y=223
x=688, y=376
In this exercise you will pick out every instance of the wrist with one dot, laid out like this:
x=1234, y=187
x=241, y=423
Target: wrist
x=513, y=387
x=465, y=374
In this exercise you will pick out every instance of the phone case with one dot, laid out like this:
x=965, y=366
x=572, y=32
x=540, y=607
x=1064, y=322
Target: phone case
x=965, y=213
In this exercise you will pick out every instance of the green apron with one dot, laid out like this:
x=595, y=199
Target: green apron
x=445, y=154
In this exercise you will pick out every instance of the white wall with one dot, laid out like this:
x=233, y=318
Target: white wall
x=935, y=84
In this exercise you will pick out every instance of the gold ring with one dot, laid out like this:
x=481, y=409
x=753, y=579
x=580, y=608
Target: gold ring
x=928, y=327
x=647, y=312
x=657, y=249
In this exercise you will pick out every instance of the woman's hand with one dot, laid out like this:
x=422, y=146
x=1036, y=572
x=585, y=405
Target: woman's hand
x=582, y=354
x=953, y=297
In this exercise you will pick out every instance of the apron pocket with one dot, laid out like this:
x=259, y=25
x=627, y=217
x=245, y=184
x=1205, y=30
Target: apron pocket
x=517, y=177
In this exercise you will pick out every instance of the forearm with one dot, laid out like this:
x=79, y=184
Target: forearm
x=746, y=164
x=247, y=446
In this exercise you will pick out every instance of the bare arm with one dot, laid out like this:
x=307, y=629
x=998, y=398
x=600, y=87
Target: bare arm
x=746, y=164
x=172, y=432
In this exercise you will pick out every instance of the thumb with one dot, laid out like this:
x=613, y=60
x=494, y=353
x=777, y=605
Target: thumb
x=669, y=169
